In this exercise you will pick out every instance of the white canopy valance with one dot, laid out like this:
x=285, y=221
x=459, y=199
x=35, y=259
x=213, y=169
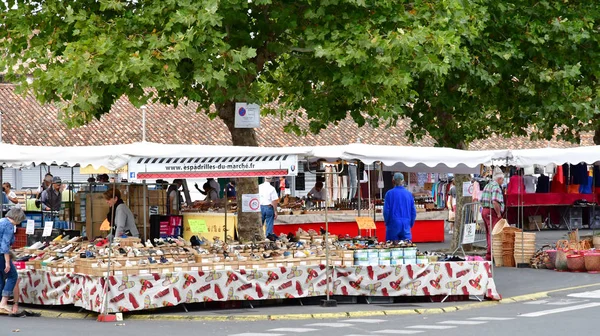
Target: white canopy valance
x=432, y=159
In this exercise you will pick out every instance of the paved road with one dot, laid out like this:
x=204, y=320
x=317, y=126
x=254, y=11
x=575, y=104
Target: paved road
x=560, y=314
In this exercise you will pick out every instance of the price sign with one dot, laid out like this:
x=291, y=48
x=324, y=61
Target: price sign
x=30, y=228
x=365, y=223
x=469, y=233
x=47, y=229
x=198, y=225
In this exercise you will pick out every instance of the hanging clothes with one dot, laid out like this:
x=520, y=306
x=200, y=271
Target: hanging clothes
x=596, y=176
x=530, y=182
x=476, y=192
x=586, y=188
x=543, y=184
x=566, y=168
x=516, y=185
x=558, y=181
x=579, y=173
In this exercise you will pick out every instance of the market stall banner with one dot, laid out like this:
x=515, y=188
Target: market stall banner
x=149, y=291
x=195, y=167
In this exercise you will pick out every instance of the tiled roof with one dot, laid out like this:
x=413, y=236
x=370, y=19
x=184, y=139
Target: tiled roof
x=26, y=122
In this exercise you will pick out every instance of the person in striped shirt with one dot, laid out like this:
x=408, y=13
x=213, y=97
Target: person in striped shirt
x=492, y=202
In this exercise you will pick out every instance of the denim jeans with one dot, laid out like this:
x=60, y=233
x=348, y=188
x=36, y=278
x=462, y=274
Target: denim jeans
x=352, y=177
x=7, y=281
x=268, y=216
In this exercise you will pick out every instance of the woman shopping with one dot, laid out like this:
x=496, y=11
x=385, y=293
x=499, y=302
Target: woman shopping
x=8, y=272
x=119, y=216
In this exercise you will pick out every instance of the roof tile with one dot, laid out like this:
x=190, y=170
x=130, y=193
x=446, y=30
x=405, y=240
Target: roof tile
x=26, y=122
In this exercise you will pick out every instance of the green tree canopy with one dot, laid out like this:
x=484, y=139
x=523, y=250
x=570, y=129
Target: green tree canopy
x=458, y=69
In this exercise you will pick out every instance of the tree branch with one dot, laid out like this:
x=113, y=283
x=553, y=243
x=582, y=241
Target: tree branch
x=302, y=50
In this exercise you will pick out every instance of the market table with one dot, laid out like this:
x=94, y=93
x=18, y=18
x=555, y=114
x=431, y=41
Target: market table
x=149, y=291
x=547, y=199
x=547, y=205
x=428, y=228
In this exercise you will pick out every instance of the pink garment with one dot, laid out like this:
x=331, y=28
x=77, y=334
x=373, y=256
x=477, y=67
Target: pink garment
x=516, y=185
x=476, y=192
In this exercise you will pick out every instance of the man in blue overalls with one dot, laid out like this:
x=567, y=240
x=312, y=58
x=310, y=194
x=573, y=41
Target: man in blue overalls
x=399, y=211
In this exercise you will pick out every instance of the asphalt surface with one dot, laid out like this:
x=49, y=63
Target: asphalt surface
x=562, y=313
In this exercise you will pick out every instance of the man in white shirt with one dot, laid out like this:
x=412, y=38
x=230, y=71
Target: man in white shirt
x=268, y=204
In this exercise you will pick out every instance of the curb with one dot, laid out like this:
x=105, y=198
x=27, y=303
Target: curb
x=319, y=316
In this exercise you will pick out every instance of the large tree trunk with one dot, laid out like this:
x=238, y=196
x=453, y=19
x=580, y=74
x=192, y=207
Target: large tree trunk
x=597, y=135
x=248, y=222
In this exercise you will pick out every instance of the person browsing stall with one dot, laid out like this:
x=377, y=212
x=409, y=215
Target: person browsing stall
x=492, y=202
x=123, y=222
x=46, y=183
x=230, y=189
x=212, y=195
x=317, y=193
x=52, y=197
x=12, y=197
x=174, y=204
x=8, y=276
x=268, y=205
x=399, y=211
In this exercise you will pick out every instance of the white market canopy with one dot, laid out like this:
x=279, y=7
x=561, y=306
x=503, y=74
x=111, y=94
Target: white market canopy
x=430, y=159
x=558, y=156
x=424, y=159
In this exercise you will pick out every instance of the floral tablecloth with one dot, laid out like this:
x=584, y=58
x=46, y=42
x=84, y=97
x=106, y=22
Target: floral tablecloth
x=148, y=291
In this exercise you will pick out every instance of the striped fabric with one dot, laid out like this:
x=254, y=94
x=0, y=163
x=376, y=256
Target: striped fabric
x=492, y=192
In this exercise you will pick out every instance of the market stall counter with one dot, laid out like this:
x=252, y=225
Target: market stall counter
x=163, y=289
x=429, y=227
x=170, y=272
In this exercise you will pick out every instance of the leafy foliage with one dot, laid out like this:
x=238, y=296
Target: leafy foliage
x=458, y=69
x=533, y=70
x=328, y=57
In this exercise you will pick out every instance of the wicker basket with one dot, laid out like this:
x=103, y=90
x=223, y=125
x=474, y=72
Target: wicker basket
x=524, y=247
x=508, y=260
x=576, y=263
x=592, y=262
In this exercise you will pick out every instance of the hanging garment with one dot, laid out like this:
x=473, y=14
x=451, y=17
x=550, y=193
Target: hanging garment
x=543, y=184
x=344, y=188
x=596, y=176
x=558, y=181
x=587, y=187
x=530, y=182
x=476, y=192
x=335, y=186
x=329, y=182
x=352, y=177
x=566, y=168
x=579, y=173
x=516, y=185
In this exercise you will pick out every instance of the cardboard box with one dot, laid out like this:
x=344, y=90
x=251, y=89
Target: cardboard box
x=532, y=221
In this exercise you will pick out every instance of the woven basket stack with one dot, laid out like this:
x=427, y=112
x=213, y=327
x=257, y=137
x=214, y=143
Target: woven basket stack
x=524, y=247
